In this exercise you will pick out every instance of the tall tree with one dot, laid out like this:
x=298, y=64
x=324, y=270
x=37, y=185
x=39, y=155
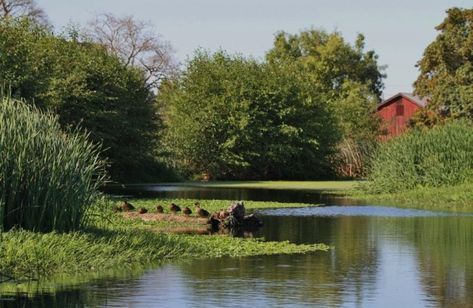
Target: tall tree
x=446, y=68
x=347, y=79
x=136, y=43
x=232, y=117
x=23, y=8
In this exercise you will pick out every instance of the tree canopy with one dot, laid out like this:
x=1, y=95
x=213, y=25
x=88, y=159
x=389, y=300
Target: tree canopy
x=85, y=86
x=446, y=68
x=234, y=117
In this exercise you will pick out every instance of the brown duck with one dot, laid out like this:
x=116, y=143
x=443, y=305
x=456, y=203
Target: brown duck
x=187, y=211
x=142, y=210
x=127, y=206
x=200, y=211
x=174, y=208
x=159, y=209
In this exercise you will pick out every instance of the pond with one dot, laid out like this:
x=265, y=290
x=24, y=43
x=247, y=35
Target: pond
x=381, y=257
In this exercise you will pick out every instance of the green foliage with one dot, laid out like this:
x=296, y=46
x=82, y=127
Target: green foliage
x=232, y=117
x=446, y=68
x=47, y=178
x=345, y=77
x=328, y=60
x=456, y=198
x=424, y=158
x=87, y=87
x=114, y=242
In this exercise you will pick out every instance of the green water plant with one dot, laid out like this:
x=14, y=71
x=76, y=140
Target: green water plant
x=48, y=177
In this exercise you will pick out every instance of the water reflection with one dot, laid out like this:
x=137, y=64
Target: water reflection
x=208, y=193
x=405, y=260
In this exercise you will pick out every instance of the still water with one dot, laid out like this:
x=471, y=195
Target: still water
x=381, y=257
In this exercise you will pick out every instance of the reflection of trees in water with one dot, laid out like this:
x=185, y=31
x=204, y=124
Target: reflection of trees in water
x=444, y=248
x=323, y=278
x=70, y=292
x=72, y=298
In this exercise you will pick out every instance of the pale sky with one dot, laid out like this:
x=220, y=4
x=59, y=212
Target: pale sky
x=397, y=30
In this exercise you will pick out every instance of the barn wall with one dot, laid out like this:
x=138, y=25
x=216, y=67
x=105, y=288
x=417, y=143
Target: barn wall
x=393, y=123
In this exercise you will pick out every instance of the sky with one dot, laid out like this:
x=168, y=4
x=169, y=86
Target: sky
x=398, y=31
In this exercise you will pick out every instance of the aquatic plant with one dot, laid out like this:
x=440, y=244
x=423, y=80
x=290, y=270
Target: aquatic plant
x=48, y=177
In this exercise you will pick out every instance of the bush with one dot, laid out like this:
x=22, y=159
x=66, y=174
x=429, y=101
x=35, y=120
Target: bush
x=437, y=157
x=47, y=177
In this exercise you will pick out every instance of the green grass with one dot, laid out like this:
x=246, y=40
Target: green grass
x=296, y=185
x=452, y=198
x=115, y=242
x=47, y=178
x=437, y=157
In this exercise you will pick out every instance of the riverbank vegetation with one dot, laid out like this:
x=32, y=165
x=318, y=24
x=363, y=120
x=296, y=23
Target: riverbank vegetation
x=435, y=165
x=325, y=186
x=47, y=178
x=114, y=241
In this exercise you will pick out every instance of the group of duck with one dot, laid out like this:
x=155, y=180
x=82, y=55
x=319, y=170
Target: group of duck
x=173, y=208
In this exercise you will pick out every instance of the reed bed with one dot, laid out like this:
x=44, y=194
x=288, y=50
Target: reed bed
x=423, y=158
x=47, y=178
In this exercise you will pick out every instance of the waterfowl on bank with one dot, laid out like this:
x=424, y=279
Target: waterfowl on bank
x=142, y=210
x=159, y=209
x=126, y=207
x=200, y=211
x=174, y=208
x=187, y=211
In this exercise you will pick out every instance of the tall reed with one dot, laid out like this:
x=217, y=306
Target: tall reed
x=434, y=157
x=47, y=178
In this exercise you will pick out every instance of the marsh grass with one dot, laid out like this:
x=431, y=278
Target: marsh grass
x=47, y=178
x=441, y=156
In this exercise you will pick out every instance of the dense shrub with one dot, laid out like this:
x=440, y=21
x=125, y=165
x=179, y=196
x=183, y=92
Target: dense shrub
x=437, y=157
x=47, y=177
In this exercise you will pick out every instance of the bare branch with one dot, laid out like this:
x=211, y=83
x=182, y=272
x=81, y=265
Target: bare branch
x=136, y=43
x=23, y=8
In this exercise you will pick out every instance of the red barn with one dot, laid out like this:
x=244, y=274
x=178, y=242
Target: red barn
x=396, y=111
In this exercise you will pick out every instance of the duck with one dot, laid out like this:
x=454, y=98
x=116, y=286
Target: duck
x=187, y=211
x=159, y=209
x=174, y=208
x=200, y=211
x=126, y=207
x=142, y=210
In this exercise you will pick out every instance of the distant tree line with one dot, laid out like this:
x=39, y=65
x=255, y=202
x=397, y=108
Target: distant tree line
x=305, y=111
x=287, y=117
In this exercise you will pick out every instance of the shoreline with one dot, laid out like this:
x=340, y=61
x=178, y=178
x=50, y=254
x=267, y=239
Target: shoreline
x=113, y=242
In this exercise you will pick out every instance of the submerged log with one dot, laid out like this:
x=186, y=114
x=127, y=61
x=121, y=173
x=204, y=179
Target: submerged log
x=233, y=221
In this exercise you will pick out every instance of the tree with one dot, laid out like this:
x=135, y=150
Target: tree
x=328, y=59
x=347, y=79
x=136, y=43
x=87, y=87
x=446, y=68
x=22, y=8
x=229, y=117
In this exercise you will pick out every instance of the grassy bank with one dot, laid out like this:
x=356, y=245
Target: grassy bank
x=291, y=185
x=113, y=241
x=452, y=198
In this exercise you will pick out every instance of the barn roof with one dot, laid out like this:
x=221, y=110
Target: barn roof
x=419, y=101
